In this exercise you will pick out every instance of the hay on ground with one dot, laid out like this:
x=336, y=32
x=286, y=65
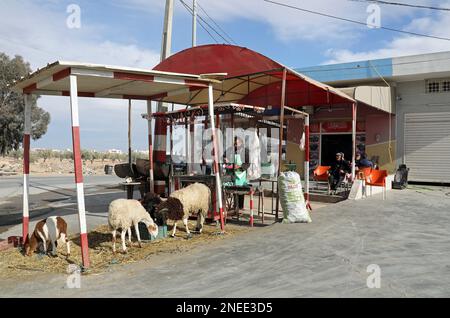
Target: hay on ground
x=13, y=263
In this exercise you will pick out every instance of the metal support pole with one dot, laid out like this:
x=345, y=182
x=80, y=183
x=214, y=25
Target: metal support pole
x=280, y=144
x=192, y=143
x=171, y=178
x=26, y=167
x=307, y=162
x=150, y=144
x=129, y=132
x=187, y=145
x=354, y=110
x=216, y=155
x=78, y=170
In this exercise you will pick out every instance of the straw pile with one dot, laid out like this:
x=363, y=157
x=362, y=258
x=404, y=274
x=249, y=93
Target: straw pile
x=13, y=263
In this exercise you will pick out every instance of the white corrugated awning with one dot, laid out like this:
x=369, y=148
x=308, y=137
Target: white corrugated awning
x=105, y=81
x=95, y=80
x=379, y=97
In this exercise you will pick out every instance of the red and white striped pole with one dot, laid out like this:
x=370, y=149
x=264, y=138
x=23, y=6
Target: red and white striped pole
x=150, y=144
x=251, y=208
x=78, y=170
x=160, y=150
x=308, y=204
x=216, y=155
x=26, y=167
x=192, y=145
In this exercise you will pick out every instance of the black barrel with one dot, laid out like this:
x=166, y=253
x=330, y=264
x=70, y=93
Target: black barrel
x=108, y=169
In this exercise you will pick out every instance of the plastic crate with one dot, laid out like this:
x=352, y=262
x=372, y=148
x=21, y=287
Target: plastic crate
x=145, y=235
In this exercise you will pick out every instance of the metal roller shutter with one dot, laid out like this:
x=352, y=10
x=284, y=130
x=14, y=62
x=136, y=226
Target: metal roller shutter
x=427, y=146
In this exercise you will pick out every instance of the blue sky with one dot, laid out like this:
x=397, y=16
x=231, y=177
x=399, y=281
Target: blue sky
x=128, y=33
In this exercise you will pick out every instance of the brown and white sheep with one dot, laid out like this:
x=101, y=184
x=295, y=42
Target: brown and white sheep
x=122, y=214
x=194, y=199
x=51, y=230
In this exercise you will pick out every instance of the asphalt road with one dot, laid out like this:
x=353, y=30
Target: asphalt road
x=406, y=236
x=53, y=195
x=12, y=186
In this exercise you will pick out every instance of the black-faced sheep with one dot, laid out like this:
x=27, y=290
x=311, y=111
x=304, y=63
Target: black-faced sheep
x=149, y=202
x=126, y=213
x=48, y=231
x=194, y=199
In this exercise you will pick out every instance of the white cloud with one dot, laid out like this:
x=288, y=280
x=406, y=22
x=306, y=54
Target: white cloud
x=43, y=37
x=289, y=24
x=151, y=6
x=437, y=24
x=40, y=35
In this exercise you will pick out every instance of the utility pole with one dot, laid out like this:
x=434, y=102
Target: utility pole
x=167, y=31
x=160, y=144
x=190, y=136
x=194, y=23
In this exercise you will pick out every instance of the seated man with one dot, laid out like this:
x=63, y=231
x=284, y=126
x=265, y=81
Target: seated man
x=363, y=162
x=337, y=172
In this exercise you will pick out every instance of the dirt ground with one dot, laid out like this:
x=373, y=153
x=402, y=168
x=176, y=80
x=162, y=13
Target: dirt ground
x=14, y=264
x=53, y=166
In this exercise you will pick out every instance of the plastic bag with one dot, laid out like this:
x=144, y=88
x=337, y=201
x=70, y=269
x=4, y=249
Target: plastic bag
x=292, y=198
x=254, y=171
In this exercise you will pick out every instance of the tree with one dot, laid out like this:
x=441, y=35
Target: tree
x=95, y=155
x=12, y=106
x=86, y=155
x=46, y=154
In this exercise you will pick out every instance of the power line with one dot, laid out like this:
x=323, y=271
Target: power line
x=216, y=24
x=355, y=21
x=404, y=5
x=204, y=21
x=199, y=22
x=212, y=28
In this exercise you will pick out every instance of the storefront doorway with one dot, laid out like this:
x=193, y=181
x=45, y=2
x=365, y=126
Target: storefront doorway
x=331, y=144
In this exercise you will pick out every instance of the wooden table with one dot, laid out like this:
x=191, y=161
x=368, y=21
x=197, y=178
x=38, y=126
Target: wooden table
x=260, y=190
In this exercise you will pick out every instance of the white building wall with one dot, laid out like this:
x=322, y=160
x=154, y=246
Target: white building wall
x=412, y=98
x=437, y=64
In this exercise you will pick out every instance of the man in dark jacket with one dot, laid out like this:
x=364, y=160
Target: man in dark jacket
x=337, y=172
x=362, y=161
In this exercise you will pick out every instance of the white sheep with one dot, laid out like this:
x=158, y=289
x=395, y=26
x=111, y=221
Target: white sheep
x=193, y=199
x=122, y=214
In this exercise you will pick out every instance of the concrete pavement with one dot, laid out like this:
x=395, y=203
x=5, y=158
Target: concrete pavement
x=406, y=236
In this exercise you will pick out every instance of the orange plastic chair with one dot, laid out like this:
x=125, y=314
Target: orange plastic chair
x=321, y=173
x=363, y=173
x=377, y=178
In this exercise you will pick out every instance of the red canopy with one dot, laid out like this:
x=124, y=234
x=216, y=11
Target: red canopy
x=252, y=78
